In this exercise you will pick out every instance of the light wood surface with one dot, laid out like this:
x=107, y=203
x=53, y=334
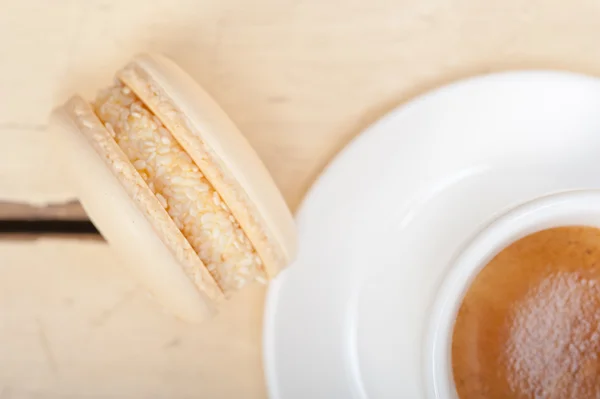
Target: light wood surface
x=57, y=211
x=74, y=324
x=300, y=78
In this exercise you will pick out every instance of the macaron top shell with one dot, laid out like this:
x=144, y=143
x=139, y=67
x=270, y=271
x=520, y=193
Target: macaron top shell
x=223, y=154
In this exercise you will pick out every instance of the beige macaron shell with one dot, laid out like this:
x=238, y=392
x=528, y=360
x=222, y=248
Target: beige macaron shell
x=131, y=219
x=221, y=152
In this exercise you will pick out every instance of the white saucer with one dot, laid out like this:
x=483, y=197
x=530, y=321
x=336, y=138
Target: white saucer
x=380, y=227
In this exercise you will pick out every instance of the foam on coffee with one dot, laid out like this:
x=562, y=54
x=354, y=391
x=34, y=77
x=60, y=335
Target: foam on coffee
x=529, y=324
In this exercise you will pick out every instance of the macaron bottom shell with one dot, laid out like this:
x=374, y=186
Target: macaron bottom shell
x=127, y=229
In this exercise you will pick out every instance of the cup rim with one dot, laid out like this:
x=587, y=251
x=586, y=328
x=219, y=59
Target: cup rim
x=570, y=208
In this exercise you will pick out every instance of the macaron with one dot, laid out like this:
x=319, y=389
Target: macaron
x=174, y=187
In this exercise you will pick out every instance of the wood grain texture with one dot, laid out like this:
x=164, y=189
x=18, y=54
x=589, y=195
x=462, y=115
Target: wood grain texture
x=75, y=325
x=300, y=78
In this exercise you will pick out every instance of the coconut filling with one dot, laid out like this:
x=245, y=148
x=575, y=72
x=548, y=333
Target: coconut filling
x=196, y=208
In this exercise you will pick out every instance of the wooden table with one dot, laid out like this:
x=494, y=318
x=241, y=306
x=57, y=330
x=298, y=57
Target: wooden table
x=300, y=78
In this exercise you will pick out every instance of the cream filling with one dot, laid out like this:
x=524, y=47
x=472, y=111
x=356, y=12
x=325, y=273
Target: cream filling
x=195, y=207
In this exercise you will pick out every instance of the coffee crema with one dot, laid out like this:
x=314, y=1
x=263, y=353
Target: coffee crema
x=529, y=324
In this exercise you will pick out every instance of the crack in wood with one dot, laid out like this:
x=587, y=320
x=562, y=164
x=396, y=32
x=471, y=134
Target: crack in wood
x=108, y=313
x=45, y=342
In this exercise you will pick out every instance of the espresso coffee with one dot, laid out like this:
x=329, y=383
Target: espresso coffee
x=529, y=324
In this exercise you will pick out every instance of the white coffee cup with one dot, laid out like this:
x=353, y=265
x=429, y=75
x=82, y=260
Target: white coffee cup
x=563, y=209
